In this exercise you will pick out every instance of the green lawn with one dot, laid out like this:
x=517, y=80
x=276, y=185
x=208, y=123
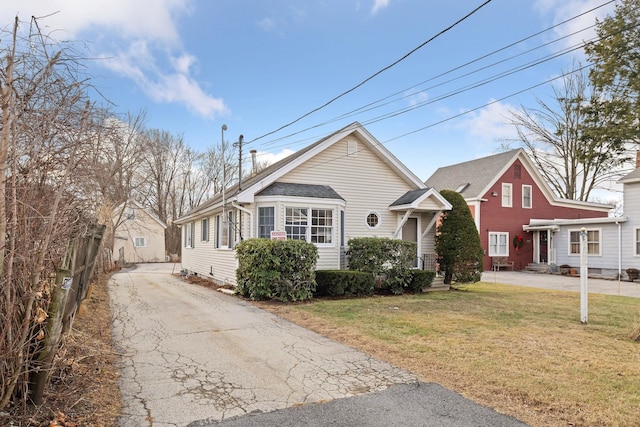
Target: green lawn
x=522, y=351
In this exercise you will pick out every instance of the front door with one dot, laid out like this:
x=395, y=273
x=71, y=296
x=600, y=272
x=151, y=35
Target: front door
x=410, y=234
x=544, y=247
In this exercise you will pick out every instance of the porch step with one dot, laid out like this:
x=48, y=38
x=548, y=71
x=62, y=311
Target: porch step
x=437, y=285
x=537, y=268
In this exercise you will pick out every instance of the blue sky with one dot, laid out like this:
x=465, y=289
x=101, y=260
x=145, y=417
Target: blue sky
x=256, y=65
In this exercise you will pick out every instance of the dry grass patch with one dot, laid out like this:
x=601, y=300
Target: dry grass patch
x=83, y=389
x=522, y=351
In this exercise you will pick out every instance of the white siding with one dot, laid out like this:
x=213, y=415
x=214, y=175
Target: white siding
x=632, y=212
x=207, y=261
x=608, y=258
x=364, y=181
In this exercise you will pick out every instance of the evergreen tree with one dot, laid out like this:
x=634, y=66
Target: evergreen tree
x=458, y=242
x=616, y=61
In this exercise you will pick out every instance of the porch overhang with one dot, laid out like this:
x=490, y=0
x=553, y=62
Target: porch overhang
x=551, y=227
x=421, y=200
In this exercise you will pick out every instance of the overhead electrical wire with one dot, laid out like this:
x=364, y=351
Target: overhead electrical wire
x=379, y=103
x=511, y=95
x=470, y=86
x=405, y=56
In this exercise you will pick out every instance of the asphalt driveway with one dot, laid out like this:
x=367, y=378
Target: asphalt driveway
x=194, y=356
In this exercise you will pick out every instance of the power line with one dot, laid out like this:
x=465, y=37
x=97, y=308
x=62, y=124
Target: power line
x=464, y=112
x=375, y=74
x=468, y=87
x=379, y=103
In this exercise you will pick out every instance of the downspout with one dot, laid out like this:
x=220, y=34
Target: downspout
x=250, y=213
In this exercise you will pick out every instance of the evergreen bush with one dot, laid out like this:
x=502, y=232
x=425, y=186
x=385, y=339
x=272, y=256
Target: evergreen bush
x=458, y=242
x=276, y=269
x=344, y=283
x=390, y=260
x=420, y=279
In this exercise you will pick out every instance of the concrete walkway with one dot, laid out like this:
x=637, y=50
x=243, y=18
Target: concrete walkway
x=564, y=283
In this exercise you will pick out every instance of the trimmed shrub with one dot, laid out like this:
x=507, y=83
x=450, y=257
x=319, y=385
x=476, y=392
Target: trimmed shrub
x=420, y=279
x=344, y=283
x=458, y=242
x=386, y=258
x=276, y=269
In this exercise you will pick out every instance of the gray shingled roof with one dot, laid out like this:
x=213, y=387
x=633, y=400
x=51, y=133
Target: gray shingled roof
x=410, y=197
x=634, y=175
x=300, y=190
x=475, y=174
x=267, y=171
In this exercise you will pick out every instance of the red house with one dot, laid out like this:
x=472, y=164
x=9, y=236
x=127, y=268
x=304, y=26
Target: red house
x=504, y=192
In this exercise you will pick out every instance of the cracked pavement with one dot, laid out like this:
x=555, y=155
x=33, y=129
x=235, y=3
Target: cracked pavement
x=192, y=354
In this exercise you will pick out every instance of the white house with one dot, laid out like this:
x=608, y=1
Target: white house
x=343, y=186
x=138, y=234
x=613, y=243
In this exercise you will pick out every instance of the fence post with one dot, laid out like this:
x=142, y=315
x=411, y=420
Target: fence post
x=53, y=331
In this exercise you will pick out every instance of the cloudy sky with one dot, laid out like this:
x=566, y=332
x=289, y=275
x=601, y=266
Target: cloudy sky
x=258, y=65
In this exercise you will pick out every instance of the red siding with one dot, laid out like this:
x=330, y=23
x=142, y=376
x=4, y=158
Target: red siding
x=495, y=218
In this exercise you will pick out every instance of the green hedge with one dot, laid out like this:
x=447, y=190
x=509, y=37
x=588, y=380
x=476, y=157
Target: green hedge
x=420, y=279
x=344, y=283
x=391, y=259
x=276, y=269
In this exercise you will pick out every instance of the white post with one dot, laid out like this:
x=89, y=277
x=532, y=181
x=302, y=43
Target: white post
x=584, y=273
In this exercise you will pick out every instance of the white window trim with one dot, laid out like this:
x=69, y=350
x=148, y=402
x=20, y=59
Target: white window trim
x=226, y=227
x=599, y=230
x=308, y=226
x=530, y=187
x=202, y=229
x=366, y=223
x=189, y=234
x=352, y=148
x=275, y=218
x=497, y=233
x=135, y=241
x=510, y=187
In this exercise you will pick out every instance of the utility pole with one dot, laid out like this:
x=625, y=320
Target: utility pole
x=239, y=145
x=224, y=177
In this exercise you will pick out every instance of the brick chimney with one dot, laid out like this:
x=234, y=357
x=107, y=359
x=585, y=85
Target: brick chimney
x=638, y=159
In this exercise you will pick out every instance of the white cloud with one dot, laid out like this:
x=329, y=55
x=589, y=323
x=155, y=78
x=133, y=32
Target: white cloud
x=416, y=98
x=268, y=24
x=271, y=158
x=151, y=19
x=561, y=10
x=490, y=127
x=173, y=86
x=379, y=5
x=138, y=40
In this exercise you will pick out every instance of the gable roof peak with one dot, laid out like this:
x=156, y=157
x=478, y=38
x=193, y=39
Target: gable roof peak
x=472, y=177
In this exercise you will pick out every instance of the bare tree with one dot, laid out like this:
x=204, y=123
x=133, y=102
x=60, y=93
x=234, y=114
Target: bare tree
x=46, y=133
x=571, y=160
x=115, y=170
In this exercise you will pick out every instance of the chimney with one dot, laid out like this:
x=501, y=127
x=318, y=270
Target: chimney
x=253, y=160
x=638, y=159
